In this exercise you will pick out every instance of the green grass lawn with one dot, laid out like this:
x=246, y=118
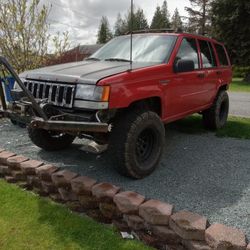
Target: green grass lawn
x=238, y=85
x=236, y=127
x=29, y=222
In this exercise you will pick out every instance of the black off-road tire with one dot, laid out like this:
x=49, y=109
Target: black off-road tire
x=48, y=140
x=216, y=117
x=136, y=143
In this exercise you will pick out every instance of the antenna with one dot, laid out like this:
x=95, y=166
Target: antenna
x=131, y=34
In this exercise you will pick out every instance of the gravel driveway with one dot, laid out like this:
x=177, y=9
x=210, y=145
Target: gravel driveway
x=199, y=172
x=239, y=104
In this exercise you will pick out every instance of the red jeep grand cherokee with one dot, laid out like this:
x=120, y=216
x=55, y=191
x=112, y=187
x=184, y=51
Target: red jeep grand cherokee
x=111, y=101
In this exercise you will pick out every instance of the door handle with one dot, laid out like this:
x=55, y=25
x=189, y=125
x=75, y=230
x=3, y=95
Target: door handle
x=201, y=75
x=219, y=73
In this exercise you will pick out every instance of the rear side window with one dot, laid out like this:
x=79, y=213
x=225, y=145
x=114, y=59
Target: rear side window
x=207, y=54
x=221, y=55
x=188, y=51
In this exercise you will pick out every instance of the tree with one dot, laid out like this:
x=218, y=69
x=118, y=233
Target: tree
x=104, y=33
x=199, y=20
x=24, y=33
x=230, y=21
x=139, y=20
x=161, y=17
x=176, y=22
x=120, y=26
x=123, y=26
x=157, y=22
x=165, y=15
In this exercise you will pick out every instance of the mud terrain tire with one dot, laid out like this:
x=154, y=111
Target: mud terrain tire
x=136, y=143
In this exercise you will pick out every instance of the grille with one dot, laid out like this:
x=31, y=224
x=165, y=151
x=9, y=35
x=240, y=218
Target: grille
x=57, y=94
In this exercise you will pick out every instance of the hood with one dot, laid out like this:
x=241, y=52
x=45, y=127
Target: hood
x=87, y=72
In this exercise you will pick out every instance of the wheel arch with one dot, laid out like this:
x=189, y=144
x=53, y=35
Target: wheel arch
x=153, y=103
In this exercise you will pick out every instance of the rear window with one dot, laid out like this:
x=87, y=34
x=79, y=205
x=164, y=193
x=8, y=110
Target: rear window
x=221, y=55
x=207, y=54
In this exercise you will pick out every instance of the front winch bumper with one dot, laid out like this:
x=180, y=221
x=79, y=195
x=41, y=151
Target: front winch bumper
x=70, y=126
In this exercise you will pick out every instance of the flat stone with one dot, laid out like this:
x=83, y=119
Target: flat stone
x=109, y=210
x=1, y=150
x=196, y=245
x=149, y=240
x=105, y=191
x=248, y=246
x=4, y=170
x=97, y=215
x=5, y=155
x=219, y=237
x=156, y=212
x=63, y=178
x=134, y=222
x=165, y=234
x=189, y=226
x=88, y=202
x=67, y=195
x=15, y=161
x=10, y=179
x=29, y=167
x=18, y=175
x=82, y=185
x=34, y=181
x=129, y=202
x=49, y=187
x=44, y=172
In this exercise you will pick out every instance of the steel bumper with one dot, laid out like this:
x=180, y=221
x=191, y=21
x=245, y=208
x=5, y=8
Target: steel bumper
x=70, y=126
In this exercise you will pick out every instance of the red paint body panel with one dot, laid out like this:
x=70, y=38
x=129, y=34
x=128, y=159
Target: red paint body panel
x=181, y=94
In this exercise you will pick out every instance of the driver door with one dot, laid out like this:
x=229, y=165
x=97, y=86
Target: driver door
x=184, y=93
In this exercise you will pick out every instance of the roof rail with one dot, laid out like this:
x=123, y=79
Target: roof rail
x=156, y=31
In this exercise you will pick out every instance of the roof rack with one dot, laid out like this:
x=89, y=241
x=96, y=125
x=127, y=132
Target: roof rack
x=156, y=31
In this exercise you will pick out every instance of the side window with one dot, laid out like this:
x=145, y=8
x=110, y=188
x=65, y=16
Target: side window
x=207, y=54
x=188, y=51
x=222, y=55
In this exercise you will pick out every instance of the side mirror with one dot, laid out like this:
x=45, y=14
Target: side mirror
x=182, y=66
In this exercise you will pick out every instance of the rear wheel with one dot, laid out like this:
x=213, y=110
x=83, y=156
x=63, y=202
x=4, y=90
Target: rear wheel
x=136, y=143
x=216, y=117
x=50, y=140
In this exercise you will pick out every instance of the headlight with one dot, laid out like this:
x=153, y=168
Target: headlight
x=92, y=93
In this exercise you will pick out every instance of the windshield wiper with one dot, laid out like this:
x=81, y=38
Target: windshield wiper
x=117, y=60
x=93, y=59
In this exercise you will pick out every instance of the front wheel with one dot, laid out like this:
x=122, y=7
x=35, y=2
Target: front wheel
x=216, y=116
x=50, y=140
x=136, y=143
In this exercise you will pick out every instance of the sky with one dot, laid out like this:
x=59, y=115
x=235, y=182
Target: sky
x=81, y=18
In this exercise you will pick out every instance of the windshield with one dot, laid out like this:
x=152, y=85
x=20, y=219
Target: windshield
x=146, y=48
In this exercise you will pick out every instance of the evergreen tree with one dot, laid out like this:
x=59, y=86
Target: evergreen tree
x=104, y=33
x=176, y=22
x=120, y=26
x=230, y=22
x=199, y=20
x=157, y=21
x=161, y=17
x=123, y=26
x=165, y=15
x=139, y=20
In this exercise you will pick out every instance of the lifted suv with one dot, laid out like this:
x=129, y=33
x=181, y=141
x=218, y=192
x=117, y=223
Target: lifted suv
x=125, y=104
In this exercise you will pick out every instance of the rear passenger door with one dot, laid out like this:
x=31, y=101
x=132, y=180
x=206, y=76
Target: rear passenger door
x=209, y=67
x=224, y=71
